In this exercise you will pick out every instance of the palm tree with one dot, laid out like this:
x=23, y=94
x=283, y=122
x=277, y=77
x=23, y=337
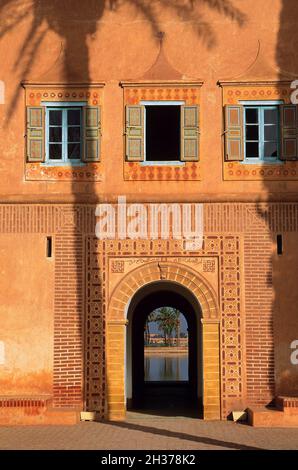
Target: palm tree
x=167, y=319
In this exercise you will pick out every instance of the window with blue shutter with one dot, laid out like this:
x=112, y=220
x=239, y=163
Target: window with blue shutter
x=64, y=135
x=261, y=134
x=73, y=134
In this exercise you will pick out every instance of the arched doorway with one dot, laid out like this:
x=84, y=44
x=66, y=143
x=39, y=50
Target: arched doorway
x=124, y=299
x=165, y=396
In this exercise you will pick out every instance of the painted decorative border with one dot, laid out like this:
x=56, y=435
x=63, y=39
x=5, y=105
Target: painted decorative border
x=133, y=171
x=135, y=93
x=238, y=171
x=34, y=95
x=88, y=172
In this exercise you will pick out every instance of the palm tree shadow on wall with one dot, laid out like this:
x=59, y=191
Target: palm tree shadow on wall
x=75, y=22
x=281, y=273
x=284, y=283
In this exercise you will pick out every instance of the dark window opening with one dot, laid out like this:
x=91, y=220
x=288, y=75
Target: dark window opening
x=279, y=244
x=49, y=247
x=162, y=133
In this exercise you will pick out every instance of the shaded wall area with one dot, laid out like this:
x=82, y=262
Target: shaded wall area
x=285, y=266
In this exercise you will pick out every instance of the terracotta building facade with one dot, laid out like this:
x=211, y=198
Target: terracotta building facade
x=188, y=103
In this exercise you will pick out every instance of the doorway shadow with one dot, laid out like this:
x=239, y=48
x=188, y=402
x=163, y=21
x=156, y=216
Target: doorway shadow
x=170, y=399
x=184, y=436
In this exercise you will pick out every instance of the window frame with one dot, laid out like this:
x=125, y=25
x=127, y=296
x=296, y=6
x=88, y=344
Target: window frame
x=64, y=107
x=160, y=103
x=261, y=105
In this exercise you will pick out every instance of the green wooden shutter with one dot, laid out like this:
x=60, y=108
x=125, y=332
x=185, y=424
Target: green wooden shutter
x=190, y=133
x=35, y=133
x=289, y=132
x=134, y=132
x=92, y=133
x=234, y=140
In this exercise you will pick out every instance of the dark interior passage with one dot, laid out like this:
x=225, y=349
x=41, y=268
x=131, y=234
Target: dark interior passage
x=168, y=397
x=162, y=133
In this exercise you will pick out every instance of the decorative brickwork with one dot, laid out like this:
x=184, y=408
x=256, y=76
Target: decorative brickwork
x=19, y=402
x=68, y=319
x=259, y=319
x=237, y=241
x=226, y=248
x=95, y=339
x=172, y=270
x=287, y=402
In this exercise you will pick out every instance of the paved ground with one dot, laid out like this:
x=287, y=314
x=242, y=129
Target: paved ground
x=144, y=432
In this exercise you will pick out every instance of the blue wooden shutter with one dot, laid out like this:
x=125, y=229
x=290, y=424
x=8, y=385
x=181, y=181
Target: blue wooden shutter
x=234, y=140
x=92, y=133
x=134, y=132
x=35, y=133
x=190, y=133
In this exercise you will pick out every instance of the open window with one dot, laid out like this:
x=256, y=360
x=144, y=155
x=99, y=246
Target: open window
x=162, y=132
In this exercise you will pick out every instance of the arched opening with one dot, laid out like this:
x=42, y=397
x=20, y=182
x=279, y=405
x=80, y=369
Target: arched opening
x=166, y=347
x=176, y=393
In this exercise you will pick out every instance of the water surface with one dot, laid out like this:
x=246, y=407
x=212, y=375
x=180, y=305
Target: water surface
x=166, y=368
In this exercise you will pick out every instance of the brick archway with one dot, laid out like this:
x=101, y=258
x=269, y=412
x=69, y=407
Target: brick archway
x=116, y=324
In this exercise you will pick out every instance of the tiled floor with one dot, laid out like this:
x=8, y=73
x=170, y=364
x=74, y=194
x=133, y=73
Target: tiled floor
x=149, y=432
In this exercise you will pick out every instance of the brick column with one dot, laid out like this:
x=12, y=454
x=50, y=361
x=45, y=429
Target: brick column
x=116, y=370
x=211, y=370
x=68, y=341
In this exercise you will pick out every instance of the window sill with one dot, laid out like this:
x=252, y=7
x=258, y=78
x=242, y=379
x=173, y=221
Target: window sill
x=158, y=163
x=63, y=164
x=262, y=162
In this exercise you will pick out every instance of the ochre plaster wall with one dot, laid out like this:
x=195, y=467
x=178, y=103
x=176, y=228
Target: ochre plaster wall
x=26, y=312
x=123, y=45
x=112, y=45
